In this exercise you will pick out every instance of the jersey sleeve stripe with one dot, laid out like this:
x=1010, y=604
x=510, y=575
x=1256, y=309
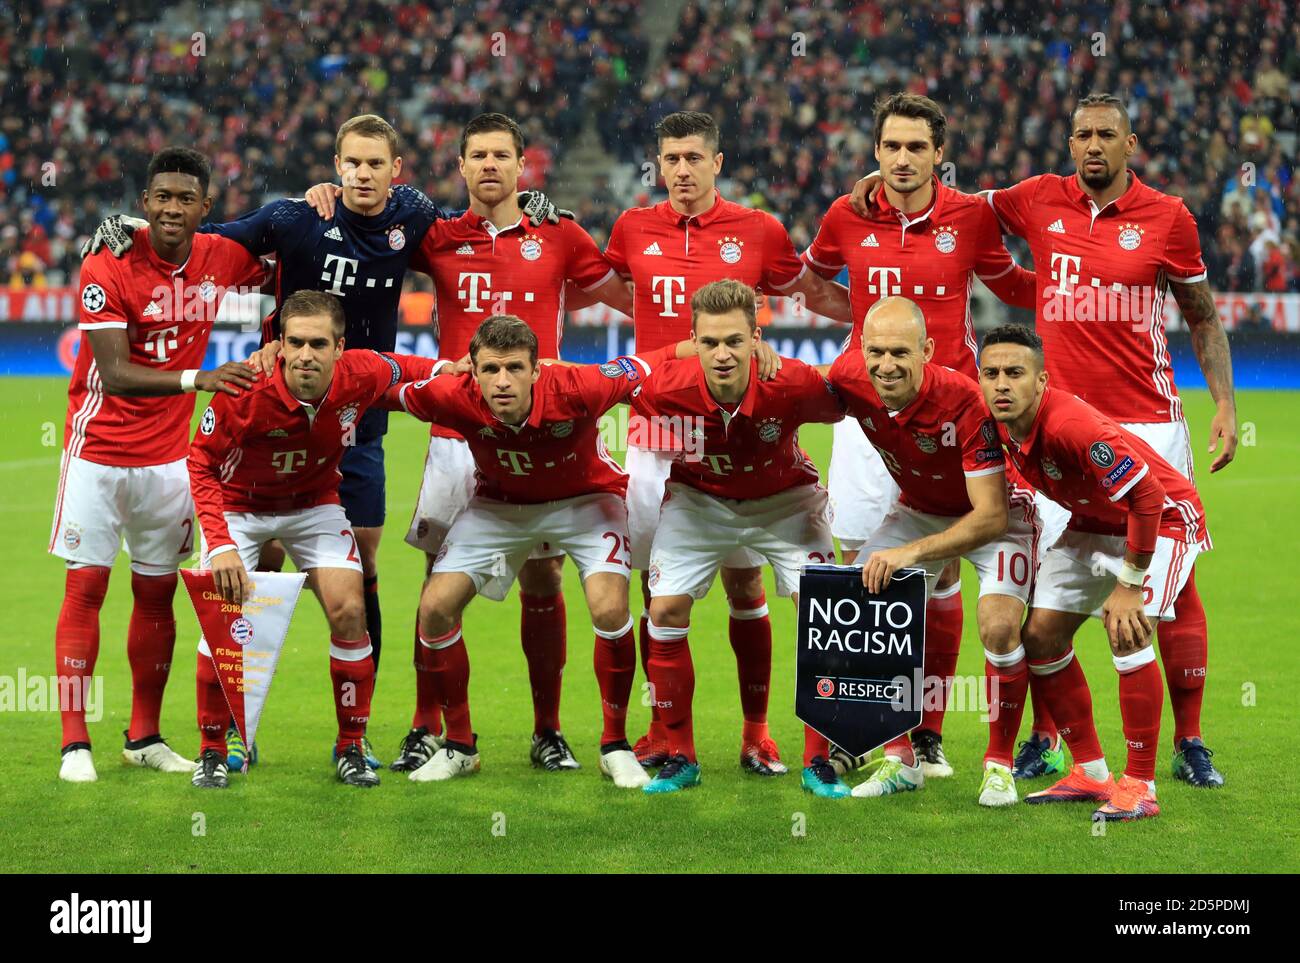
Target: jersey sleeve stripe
x=988, y=196
x=985, y=471
x=608, y=274
x=99, y=325
x=644, y=366
x=994, y=277
x=807, y=256
x=1194, y=279
x=1132, y=481
x=803, y=269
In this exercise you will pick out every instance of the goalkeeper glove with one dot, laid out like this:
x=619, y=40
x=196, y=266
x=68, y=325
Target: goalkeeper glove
x=115, y=233
x=537, y=207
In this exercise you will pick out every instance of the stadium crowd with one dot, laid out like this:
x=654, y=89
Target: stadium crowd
x=91, y=90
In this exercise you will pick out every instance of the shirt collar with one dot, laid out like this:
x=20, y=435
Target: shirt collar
x=292, y=401
x=1032, y=437
x=480, y=223
x=746, y=403
x=703, y=219
x=1120, y=204
x=886, y=211
x=143, y=242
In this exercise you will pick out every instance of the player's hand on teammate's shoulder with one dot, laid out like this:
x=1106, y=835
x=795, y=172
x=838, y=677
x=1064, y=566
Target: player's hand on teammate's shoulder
x=463, y=366
x=1126, y=622
x=1223, y=427
x=230, y=577
x=321, y=198
x=864, y=193
x=230, y=378
x=769, y=362
x=539, y=209
x=262, y=361
x=116, y=233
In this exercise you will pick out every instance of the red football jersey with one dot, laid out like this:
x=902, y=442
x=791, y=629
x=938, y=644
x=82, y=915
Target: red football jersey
x=558, y=452
x=167, y=312
x=929, y=258
x=932, y=445
x=266, y=451
x=751, y=452
x=669, y=257
x=479, y=271
x=1085, y=462
x=1102, y=278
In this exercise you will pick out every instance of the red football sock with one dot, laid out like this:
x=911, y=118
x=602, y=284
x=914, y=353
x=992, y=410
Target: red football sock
x=542, y=627
x=750, y=632
x=1006, y=680
x=657, y=733
x=352, y=672
x=76, y=646
x=1184, y=650
x=1141, y=698
x=902, y=748
x=943, y=621
x=672, y=678
x=614, y=659
x=814, y=745
x=1043, y=727
x=427, y=711
x=451, y=675
x=150, y=639
x=1065, y=693
x=213, y=710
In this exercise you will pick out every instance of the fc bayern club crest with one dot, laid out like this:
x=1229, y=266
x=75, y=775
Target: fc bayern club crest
x=241, y=631
x=396, y=239
x=945, y=239
x=72, y=538
x=562, y=429
x=530, y=248
x=347, y=414
x=729, y=249
x=769, y=430
x=1130, y=236
x=1050, y=469
x=926, y=444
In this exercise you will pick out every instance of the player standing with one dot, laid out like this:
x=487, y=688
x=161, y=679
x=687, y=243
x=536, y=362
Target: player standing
x=956, y=500
x=669, y=251
x=748, y=485
x=544, y=478
x=145, y=321
x=927, y=242
x=1135, y=530
x=266, y=466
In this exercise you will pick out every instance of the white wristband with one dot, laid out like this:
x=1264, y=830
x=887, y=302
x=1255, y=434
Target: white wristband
x=187, y=380
x=1131, y=575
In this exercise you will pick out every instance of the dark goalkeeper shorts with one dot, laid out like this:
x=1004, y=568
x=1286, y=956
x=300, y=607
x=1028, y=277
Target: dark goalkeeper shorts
x=362, y=489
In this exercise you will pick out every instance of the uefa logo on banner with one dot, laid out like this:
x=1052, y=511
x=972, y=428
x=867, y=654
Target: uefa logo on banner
x=825, y=688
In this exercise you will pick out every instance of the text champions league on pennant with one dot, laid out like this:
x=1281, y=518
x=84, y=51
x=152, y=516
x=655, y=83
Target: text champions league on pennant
x=859, y=655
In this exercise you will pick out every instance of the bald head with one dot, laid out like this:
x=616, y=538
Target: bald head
x=896, y=348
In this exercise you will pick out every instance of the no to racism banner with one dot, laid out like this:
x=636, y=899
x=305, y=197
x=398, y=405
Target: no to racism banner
x=245, y=641
x=859, y=655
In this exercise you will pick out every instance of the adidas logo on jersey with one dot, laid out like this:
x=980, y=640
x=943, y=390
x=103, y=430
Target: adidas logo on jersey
x=653, y=249
x=870, y=241
x=466, y=248
x=1057, y=227
x=152, y=311
x=333, y=234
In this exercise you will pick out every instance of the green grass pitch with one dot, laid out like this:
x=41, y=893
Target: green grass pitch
x=291, y=814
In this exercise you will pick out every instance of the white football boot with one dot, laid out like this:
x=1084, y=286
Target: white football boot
x=621, y=766
x=78, y=766
x=447, y=763
x=998, y=788
x=889, y=778
x=154, y=753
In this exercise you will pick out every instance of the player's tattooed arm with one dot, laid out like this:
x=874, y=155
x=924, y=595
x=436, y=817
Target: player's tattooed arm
x=112, y=352
x=1210, y=342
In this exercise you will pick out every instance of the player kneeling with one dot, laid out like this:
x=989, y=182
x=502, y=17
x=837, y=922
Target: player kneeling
x=1136, y=526
x=544, y=478
x=956, y=501
x=263, y=466
x=740, y=481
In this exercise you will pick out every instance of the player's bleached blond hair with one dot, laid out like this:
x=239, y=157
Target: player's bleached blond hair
x=503, y=332
x=723, y=297
x=314, y=303
x=367, y=125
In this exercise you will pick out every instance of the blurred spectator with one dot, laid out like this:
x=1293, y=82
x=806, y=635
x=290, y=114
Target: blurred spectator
x=29, y=275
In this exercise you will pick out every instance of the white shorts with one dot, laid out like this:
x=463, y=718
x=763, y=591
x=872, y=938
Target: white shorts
x=445, y=491
x=861, y=489
x=97, y=506
x=1068, y=579
x=1171, y=441
x=698, y=531
x=1005, y=566
x=647, y=474
x=317, y=537
x=490, y=540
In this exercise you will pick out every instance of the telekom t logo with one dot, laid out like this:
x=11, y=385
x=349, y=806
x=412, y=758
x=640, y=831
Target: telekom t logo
x=338, y=272
x=718, y=464
x=515, y=462
x=476, y=289
x=1061, y=265
x=288, y=462
x=161, y=341
x=884, y=281
x=667, y=296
